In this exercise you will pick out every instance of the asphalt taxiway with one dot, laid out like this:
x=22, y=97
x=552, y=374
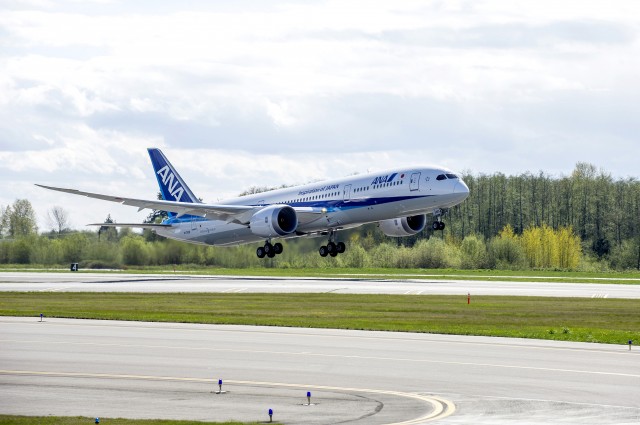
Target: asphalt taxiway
x=153, y=370
x=100, y=282
x=165, y=370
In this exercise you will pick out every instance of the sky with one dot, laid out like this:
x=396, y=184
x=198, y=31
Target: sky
x=264, y=93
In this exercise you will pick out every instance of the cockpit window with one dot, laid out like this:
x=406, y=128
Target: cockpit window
x=452, y=176
x=441, y=177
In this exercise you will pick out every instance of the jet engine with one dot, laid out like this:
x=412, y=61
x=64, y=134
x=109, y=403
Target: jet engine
x=405, y=226
x=274, y=221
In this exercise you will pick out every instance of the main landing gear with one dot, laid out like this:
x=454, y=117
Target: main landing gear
x=269, y=250
x=332, y=248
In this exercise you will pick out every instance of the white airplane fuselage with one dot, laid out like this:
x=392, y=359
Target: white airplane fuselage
x=339, y=204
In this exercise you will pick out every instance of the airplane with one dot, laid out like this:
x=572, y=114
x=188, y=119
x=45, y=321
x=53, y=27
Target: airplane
x=398, y=200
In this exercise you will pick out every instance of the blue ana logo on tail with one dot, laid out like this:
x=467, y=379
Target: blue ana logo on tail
x=171, y=182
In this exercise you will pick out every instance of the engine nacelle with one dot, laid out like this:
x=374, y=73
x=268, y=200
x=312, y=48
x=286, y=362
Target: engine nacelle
x=405, y=226
x=274, y=221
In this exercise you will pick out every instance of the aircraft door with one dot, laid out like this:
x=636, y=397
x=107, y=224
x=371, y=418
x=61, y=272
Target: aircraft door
x=347, y=192
x=414, y=183
x=194, y=223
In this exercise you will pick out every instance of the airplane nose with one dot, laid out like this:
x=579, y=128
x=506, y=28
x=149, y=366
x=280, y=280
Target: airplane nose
x=461, y=188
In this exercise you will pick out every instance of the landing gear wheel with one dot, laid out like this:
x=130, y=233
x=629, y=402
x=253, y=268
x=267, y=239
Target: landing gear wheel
x=435, y=225
x=323, y=251
x=271, y=254
x=341, y=247
x=277, y=248
x=334, y=253
x=441, y=225
x=268, y=248
x=260, y=252
x=331, y=247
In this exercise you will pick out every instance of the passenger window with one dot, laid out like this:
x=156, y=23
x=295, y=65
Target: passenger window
x=441, y=177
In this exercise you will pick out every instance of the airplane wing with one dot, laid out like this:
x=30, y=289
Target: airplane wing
x=223, y=212
x=240, y=214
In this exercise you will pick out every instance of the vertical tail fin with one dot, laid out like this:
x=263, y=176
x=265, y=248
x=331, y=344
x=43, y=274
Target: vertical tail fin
x=172, y=187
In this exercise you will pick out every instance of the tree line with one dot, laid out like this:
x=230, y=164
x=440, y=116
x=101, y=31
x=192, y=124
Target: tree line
x=603, y=211
x=537, y=248
x=583, y=221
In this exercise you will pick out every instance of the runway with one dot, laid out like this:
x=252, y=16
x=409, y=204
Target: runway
x=160, y=370
x=100, y=282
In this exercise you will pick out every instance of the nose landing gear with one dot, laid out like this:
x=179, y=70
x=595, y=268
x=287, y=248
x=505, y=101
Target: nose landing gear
x=438, y=224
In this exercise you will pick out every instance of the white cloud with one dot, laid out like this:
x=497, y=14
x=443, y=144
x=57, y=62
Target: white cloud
x=290, y=92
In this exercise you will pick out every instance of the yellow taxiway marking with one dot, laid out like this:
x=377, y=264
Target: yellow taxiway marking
x=441, y=408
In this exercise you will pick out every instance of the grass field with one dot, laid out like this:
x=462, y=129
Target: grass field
x=613, y=321
x=80, y=420
x=631, y=277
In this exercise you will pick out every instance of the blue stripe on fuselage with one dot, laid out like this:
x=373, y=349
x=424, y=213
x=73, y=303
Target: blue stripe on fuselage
x=331, y=206
x=340, y=204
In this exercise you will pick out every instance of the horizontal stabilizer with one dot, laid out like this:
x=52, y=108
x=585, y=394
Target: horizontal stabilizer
x=132, y=225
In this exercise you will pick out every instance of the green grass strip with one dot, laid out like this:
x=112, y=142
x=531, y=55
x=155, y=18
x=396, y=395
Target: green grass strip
x=613, y=321
x=80, y=420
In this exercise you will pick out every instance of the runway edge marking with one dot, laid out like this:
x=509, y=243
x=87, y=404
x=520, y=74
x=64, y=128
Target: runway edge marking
x=441, y=407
